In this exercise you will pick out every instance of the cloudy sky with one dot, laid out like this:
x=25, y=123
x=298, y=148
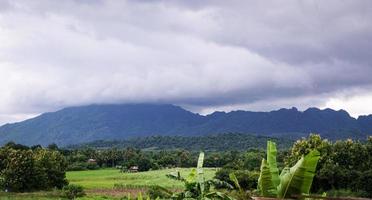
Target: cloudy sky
x=203, y=55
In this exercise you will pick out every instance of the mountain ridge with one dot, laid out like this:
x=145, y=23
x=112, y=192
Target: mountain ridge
x=82, y=124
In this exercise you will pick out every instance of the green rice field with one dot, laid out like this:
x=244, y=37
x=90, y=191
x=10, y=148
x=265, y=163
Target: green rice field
x=99, y=184
x=107, y=178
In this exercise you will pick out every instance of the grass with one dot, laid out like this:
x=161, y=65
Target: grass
x=43, y=195
x=99, y=184
x=107, y=178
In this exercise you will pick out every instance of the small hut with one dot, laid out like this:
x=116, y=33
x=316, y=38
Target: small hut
x=133, y=169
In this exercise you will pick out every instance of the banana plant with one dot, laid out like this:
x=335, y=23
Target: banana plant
x=240, y=193
x=296, y=180
x=196, y=187
x=269, y=176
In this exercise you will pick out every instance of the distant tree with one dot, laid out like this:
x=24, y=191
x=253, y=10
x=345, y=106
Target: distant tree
x=34, y=147
x=252, y=160
x=53, y=146
x=13, y=145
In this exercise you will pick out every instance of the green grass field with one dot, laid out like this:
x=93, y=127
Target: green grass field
x=100, y=183
x=106, y=178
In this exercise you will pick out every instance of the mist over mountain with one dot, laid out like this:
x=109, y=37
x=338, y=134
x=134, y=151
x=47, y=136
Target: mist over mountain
x=83, y=124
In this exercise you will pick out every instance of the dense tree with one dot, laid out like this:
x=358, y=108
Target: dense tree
x=53, y=165
x=18, y=170
x=343, y=164
x=24, y=169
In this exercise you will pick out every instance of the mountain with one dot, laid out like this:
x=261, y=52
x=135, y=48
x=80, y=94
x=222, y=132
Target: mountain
x=116, y=122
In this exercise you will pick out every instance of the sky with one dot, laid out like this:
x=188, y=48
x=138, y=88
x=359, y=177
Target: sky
x=203, y=55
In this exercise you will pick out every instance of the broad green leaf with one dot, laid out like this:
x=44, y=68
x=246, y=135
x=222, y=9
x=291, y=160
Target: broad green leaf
x=192, y=176
x=284, y=172
x=271, y=161
x=265, y=183
x=236, y=182
x=200, y=172
x=298, y=179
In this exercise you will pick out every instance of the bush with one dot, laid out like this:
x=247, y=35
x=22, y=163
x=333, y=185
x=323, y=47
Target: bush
x=247, y=179
x=92, y=166
x=73, y=191
x=366, y=183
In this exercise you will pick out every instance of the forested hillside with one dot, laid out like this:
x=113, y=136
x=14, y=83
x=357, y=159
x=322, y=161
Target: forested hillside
x=220, y=142
x=83, y=124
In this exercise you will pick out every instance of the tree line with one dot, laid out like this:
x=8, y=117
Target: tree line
x=77, y=159
x=343, y=165
x=215, y=142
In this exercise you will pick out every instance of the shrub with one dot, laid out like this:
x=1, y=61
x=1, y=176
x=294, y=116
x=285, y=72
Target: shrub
x=247, y=179
x=73, y=191
x=92, y=166
x=366, y=183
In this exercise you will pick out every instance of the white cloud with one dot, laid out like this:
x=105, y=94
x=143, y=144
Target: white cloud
x=355, y=105
x=246, y=54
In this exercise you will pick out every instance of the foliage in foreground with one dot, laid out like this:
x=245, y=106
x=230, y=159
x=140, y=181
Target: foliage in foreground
x=247, y=179
x=344, y=165
x=296, y=180
x=239, y=193
x=29, y=169
x=196, y=187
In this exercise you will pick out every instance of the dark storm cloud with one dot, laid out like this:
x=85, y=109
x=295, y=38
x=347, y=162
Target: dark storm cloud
x=201, y=54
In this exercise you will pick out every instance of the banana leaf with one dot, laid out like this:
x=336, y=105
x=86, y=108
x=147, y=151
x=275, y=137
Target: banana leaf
x=200, y=172
x=200, y=162
x=176, y=176
x=265, y=183
x=191, y=177
x=235, y=181
x=271, y=161
x=298, y=179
